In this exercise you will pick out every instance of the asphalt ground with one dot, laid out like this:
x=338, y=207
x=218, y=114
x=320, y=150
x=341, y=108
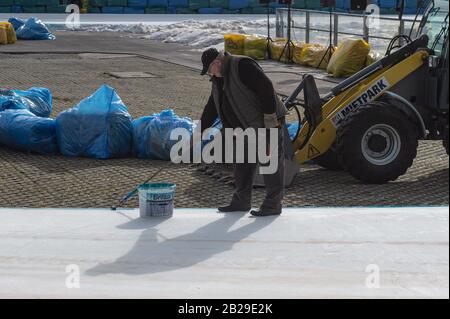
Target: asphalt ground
x=30, y=180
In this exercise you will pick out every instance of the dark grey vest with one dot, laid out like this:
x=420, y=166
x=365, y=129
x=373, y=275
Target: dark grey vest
x=243, y=101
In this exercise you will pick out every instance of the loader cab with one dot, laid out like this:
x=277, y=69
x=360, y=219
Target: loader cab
x=435, y=25
x=433, y=22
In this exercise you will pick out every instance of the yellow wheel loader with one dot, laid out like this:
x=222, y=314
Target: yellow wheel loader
x=369, y=124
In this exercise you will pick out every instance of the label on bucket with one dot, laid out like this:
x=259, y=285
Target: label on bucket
x=159, y=197
x=156, y=209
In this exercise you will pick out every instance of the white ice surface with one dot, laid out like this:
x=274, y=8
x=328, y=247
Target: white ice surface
x=306, y=252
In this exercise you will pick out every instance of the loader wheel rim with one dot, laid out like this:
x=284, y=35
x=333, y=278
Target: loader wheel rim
x=381, y=144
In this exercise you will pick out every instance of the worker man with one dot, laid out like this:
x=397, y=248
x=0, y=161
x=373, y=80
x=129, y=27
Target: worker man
x=244, y=97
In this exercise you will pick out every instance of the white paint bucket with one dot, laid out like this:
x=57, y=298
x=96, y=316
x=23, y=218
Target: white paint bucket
x=156, y=199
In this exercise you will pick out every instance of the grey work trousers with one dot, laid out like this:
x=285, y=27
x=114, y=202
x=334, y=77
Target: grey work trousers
x=244, y=174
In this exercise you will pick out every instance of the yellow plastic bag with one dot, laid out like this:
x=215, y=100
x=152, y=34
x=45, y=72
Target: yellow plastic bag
x=349, y=58
x=298, y=48
x=10, y=33
x=278, y=45
x=3, y=37
x=276, y=49
x=373, y=57
x=312, y=54
x=234, y=43
x=255, y=47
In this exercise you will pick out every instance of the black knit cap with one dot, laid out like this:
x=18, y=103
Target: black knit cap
x=207, y=57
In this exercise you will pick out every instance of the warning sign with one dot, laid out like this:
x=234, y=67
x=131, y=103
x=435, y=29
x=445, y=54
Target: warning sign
x=312, y=151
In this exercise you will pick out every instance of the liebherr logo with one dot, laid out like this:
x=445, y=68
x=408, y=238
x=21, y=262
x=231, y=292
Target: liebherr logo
x=369, y=95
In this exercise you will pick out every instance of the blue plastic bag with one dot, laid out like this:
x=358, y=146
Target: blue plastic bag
x=37, y=100
x=22, y=130
x=16, y=23
x=292, y=129
x=34, y=29
x=151, y=134
x=98, y=127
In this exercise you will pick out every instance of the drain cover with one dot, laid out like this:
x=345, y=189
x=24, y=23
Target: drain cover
x=132, y=75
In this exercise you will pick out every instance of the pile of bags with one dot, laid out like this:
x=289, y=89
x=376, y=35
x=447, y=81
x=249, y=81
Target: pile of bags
x=348, y=58
x=98, y=127
x=31, y=29
x=302, y=53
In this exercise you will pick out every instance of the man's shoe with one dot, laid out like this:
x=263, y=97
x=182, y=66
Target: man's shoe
x=233, y=209
x=263, y=213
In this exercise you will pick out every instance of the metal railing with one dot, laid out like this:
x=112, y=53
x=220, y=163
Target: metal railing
x=303, y=21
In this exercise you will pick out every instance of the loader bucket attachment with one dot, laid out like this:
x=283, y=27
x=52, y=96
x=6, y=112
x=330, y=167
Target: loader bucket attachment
x=312, y=101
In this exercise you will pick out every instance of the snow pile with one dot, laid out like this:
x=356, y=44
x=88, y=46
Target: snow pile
x=195, y=33
x=200, y=32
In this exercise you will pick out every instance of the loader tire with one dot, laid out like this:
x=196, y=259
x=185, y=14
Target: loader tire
x=377, y=143
x=329, y=160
